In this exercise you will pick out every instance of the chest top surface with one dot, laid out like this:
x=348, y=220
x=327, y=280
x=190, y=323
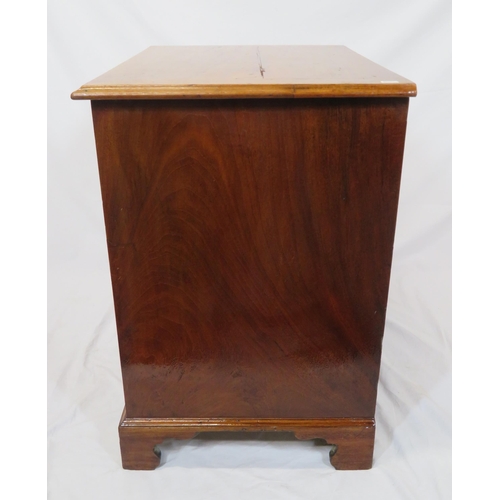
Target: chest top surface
x=215, y=72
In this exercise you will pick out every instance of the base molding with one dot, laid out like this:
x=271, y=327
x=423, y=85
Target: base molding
x=352, y=439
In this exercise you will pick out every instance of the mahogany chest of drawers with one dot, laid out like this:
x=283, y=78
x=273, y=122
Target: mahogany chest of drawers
x=250, y=198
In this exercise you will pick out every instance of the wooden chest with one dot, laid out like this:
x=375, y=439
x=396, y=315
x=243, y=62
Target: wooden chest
x=250, y=198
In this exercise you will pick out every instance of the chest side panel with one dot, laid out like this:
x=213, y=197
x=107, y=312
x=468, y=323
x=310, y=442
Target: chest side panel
x=250, y=245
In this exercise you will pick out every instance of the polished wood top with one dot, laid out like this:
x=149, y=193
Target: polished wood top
x=214, y=72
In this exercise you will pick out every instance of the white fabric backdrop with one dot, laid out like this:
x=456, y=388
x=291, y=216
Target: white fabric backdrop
x=413, y=441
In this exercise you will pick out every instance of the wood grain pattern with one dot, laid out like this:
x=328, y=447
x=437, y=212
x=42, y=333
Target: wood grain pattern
x=246, y=72
x=250, y=245
x=353, y=439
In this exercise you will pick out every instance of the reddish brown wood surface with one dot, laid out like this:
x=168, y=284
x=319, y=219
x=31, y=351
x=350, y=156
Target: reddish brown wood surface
x=211, y=72
x=352, y=439
x=250, y=246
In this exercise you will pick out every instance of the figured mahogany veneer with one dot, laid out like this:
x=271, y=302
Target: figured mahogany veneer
x=250, y=245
